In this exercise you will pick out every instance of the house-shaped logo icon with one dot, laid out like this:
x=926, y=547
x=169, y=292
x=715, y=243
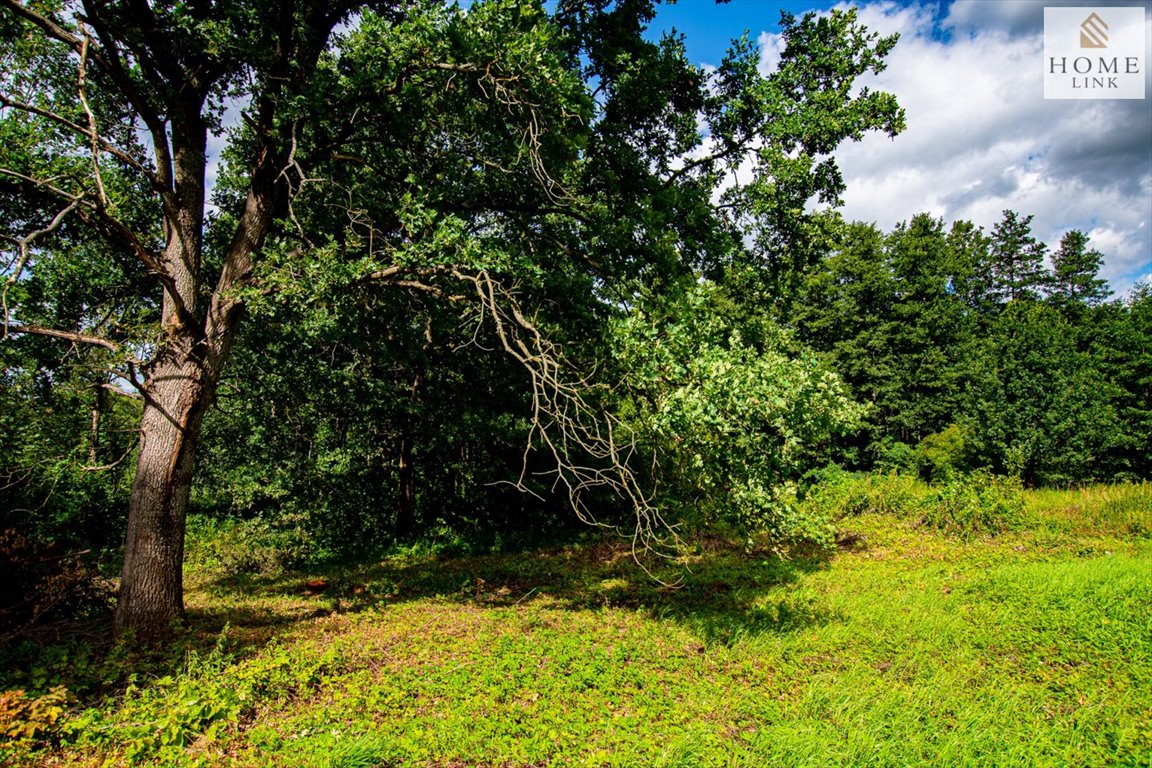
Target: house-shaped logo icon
x=1093, y=32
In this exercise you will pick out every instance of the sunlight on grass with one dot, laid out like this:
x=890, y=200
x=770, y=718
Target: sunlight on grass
x=915, y=648
x=1104, y=509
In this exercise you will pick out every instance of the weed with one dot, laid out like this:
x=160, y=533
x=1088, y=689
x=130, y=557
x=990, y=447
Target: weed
x=29, y=722
x=975, y=504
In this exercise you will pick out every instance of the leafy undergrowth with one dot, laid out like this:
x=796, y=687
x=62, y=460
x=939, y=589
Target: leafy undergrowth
x=908, y=647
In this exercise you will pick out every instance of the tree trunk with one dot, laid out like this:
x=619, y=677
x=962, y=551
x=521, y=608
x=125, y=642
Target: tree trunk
x=152, y=583
x=180, y=385
x=406, y=487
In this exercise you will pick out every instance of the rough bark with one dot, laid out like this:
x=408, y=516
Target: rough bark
x=152, y=584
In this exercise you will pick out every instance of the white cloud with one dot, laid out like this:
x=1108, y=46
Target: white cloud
x=981, y=138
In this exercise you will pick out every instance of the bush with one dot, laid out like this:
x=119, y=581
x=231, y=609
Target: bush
x=976, y=504
x=942, y=455
x=257, y=546
x=28, y=722
x=968, y=505
x=39, y=584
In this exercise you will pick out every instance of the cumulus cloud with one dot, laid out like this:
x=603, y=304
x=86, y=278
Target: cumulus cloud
x=981, y=138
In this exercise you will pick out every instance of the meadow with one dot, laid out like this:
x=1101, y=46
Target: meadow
x=912, y=643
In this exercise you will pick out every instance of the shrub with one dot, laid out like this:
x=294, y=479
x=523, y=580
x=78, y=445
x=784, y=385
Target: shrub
x=39, y=584
x=975, y=504
x=1124, y=509
x=942, y=455
x=256, y=546
x=28, y=722
x=729, y=413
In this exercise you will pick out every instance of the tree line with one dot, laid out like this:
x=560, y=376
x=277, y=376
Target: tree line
x=982, y=349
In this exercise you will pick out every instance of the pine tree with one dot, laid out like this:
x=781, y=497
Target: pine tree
x=1076, y=269
x=1017, y=259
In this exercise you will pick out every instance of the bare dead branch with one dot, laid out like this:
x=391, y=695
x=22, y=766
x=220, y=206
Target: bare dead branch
x=113, y=465
x=99, y=215
x=92, y=132
x=25, y=253
x=105, y=146
x=567, y=425
x=122, y=392
x=296, y=177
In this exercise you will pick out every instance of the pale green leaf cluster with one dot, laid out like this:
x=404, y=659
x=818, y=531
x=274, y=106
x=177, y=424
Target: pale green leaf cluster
x=729, y=412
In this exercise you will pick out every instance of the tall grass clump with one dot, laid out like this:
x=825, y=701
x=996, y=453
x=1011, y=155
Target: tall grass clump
x=840, y=495
x=1118, y=510
x=969, y=505
x=976, y=504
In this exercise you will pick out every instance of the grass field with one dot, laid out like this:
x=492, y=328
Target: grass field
x=905, y=647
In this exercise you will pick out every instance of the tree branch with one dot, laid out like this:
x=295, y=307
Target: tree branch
x=105, y=145
x=25, y=254
x=97, y=215
x=76, y=338
x=113, y=465
x=50, y=26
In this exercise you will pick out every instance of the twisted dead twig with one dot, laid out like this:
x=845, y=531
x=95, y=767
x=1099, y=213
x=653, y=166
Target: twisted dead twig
x=296, y=177
x=24, y=246
x=588, y=448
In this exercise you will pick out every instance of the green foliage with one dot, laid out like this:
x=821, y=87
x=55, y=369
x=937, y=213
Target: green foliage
x=1035, y=405
x=729, y=413
x=369, y=751
x=63, y=471
x=883, y=311
x=974, y=505
x=966, y=505
x=158, y=721
x=1016, y=260
x=1076, y=269
x=235, y=547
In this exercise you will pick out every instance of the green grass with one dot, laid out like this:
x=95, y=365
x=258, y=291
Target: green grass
x=912, y=648
x=1124, y=509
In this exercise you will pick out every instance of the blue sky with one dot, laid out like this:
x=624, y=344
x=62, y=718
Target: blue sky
x=981, y=137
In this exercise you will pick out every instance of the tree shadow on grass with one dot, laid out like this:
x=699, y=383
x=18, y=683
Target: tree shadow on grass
x=722, y=594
